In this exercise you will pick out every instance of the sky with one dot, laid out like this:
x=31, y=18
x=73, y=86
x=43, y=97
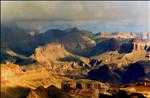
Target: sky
x=95, y=16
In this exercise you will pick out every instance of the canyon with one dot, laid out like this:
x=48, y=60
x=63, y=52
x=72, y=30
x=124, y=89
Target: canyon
x=74, y=63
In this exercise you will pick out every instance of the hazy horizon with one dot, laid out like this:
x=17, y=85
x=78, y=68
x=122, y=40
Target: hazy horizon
x=95, y=16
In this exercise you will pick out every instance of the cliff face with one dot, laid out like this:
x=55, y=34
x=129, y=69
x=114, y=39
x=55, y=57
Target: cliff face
x=50, y=53
x=56, y=56
x=140, y=45
x=135, y=45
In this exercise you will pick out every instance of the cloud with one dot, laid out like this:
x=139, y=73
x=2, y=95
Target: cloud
x=112, y=13
x=73, y=10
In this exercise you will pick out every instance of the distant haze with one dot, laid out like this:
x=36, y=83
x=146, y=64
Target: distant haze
x=110, y=16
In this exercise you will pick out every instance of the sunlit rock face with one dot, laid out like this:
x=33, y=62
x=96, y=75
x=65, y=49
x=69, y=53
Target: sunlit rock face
x=124, y=35
x=56, y=56
x=49, y=53
x=117, y=35
x=85, y=88
x=135, y=45
x=10, y=69
x=49, y=92
x=85, y=85
x=140, y=45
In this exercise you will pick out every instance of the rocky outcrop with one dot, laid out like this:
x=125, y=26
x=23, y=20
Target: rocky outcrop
x=84, y=88
x=49, y=53
x=134, y=45
x=121, y=94
x=92, y=89
x=56, y=56
x=95, y=62
x=39, y=92
x=85, y=85
x=104, y=74
x=140, y=45
x=10, y=69
x=109, y=44
x=49, y=92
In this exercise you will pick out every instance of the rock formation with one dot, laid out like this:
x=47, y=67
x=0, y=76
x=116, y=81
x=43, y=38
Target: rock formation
x=80, y=58
x=85, y=85
x=49, y=92
x=55, y=55
x=121, y=94
x=106, y=73
x=140, y=45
